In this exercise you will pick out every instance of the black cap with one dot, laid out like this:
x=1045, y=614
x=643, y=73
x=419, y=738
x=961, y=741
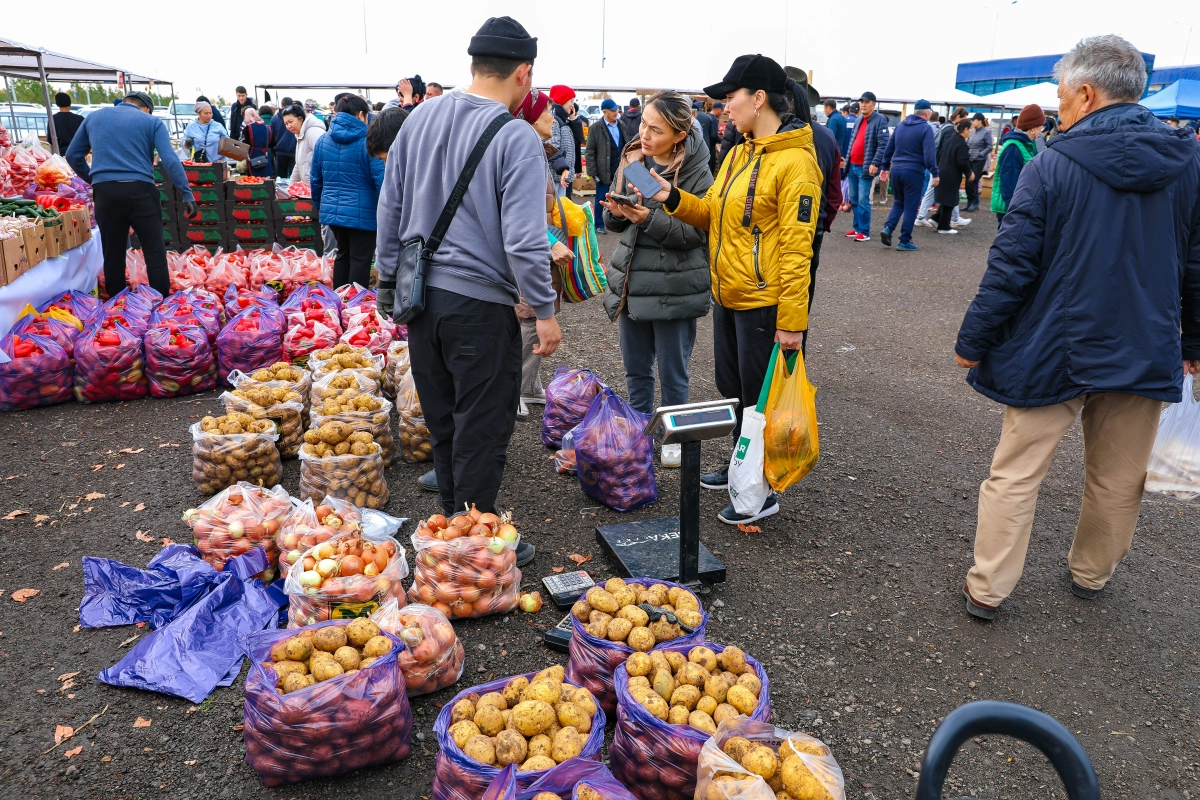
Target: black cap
x=503, y=37
x=142, y=98
x=867, y=96
x=979, y=117
x=751, y=72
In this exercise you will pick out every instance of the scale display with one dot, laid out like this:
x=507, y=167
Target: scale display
x=702, y=417
x=694, y=422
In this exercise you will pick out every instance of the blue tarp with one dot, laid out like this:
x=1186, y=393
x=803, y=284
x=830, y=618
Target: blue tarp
x=1180, y=99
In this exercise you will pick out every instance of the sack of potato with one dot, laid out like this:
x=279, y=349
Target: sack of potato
x=466, y=566
x=397, y=365
x=343, y=577
x=603, y=625
x=36, y=373
x=363, y=413
x=433, y=657
x=309, y=715
x=279, y=405
x=281, y=373
x=750, y=760
x=338, y=461
x=238, y=519
x=669, y=702
x=234, y=447
x=415, y=443
x=344, y=358
x=535, y=721
x=342, y=387
x=569, y=395
x=306, y=526
x=577, y=779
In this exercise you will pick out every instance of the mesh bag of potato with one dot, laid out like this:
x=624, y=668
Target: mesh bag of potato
x=518, y=721
x=363, y=413
x=344, y=358
x=236, y=520
x=234, y=447
x=466, y=576
x=600, y=634
x=307, y=525
x=357, y=715
x=750, y=760
x=614, y=459
x=578, y=779
x=655, y=756
x=281, y=373
x=338, y=461
x=415, y=443
x=569, y=395
x=433, y=656
x=279, y=405
x=342, y=387
x=397, y=365
x=344, y=577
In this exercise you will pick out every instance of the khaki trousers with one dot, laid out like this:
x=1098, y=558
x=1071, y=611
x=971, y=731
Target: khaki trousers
x=1118, y=435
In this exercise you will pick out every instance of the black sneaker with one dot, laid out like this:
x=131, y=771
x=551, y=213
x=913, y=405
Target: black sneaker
x=1083, y=592
x=716, y=480
x=730, y=517
x=977, y=609
x=525, y=553
x=885, y=236
x=428, y=481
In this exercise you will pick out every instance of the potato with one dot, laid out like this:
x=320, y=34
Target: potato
x=585, y=792
x=512, y=690
x=690, y=618
x=736, y=747
x=775, y=782
x=511, y=748
x=298, y=648
x=597, y=629
x=673, y=594
x=654, y=703
x=531, y=717
x=546, y=796
x=664, y=631
x=618, y=629
x=658, y=595
x=292, y=682
x=602, y=600
x=707, y=705
x=791, y=747
x=732, y=659
x=701, y=721
x=553, y=729
x=348, y=657
x=612, y=585
x=557, y=674
x=279, y=650
x=638, y=682
x=726, y=785
x=624, y=596
x=677, y=715
x=463, y=709
x=635, y=615
x=685, y=695
x=567, y=743
x=462, y=731
x=326, y=668
x=331, y=638
x=751, y=682
x=724, y=711
x=693, y=675
x=640, y=639
x=798, y=781
x=686, y=601
x=783, y=795
x=572, y=716
x=481, y=749
x=537, y=764
x=360, y=631
x=540, y=745
x=285, y=668
x=492, y=699
x=583, y=698
x=663, y=683
x=377, y=647
x=544, y=690
x=760, y=760
x=582, y=610
x=639, y=693
x=659, y=658
x=489, y=720
x=704, y=656
x=600, y=616
x=676, y=660
x=638, y=664
x=716, y=688
x=742, y=699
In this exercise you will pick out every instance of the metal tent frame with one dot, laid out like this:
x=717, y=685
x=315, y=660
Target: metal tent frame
x=34, y=63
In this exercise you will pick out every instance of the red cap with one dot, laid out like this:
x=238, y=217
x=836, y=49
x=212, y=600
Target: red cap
x=532, y=106
x=561, y=94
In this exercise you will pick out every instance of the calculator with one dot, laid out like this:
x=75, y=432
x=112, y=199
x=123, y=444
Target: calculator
x=565, y=589
x=559, y=637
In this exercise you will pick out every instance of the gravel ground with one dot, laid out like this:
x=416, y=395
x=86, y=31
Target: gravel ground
x=850, y=595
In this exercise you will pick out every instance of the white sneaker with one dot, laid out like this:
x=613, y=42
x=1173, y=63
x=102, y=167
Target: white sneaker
x=924, y=223
x=961, y=222
x=951, y=231
x=522, y=410
x=671, y=456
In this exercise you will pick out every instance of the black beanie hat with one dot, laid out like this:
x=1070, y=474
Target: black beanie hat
x=503, y=37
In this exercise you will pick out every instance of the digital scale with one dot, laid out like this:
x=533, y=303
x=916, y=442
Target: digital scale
x=669, y=548
x=565, y=589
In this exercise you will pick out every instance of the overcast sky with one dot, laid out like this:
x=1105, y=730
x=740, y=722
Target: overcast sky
x=898, y=48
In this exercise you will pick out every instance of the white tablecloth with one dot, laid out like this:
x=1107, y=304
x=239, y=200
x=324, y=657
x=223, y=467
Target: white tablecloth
x=78, y=268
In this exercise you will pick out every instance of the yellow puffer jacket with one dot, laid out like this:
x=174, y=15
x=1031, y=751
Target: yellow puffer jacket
x=765, y=262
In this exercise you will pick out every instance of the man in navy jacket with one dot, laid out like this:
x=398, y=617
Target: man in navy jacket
x=908, y=155
x=1090, y=303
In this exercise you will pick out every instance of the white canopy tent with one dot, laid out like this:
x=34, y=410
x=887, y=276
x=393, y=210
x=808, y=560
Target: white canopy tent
x=1044, y=94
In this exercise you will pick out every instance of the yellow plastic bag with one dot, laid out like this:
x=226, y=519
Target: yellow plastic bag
x=576, y=218
x=803, y=767
x=790, y=444
x=54, y=313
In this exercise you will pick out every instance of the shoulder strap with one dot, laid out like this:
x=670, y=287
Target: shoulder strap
x=464, y=180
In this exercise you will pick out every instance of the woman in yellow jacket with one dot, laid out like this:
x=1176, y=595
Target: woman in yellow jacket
x=761, y=216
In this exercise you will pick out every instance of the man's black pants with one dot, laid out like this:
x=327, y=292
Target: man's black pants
x=466, y=364
x=284, y=162
x=742, y=345
x=121, y=205
x=977, y=167
x=355, y=251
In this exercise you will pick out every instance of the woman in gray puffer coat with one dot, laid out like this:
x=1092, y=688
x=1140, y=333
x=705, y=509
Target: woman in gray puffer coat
x=658, y=276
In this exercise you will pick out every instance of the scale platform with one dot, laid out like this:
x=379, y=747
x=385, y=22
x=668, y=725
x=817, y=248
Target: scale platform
x=650, y=548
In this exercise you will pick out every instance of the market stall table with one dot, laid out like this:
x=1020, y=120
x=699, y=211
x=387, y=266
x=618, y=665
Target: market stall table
x=78, y=268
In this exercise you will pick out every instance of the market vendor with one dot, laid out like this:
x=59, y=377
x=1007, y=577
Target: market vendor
x=204, y=134
x=122, y=140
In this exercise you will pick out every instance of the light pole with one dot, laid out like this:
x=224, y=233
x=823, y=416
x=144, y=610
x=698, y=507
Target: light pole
x=786, y=9
x=996, y=26
x=603, y=30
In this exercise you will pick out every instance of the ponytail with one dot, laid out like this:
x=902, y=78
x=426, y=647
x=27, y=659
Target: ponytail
x=793, y=100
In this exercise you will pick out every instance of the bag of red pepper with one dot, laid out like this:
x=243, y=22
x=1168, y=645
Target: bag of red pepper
x=129, y=308
x=108, y=363
x=178, y=308
x=80, y=305
x=369, y=330
x=179, y=360
x=316, y=295
x=239, y=299
x=59, y=325
x=305, y=336
x=361, y=303
x=37, y=372
x=250, y=340
x=149, y=294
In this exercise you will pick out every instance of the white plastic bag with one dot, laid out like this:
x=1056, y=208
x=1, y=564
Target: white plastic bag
x=1174, y=468
x=815, y=774
x=748, y=487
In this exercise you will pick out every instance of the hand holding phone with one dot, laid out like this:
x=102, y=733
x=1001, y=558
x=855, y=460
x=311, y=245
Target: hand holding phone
x=621, y=199
x=642, y=179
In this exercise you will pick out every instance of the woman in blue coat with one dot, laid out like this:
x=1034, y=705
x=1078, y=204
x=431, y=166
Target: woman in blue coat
x=345, y=181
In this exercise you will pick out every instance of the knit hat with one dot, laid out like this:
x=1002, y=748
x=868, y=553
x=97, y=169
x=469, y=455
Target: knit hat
x=609, y=105
x=560, y=94
x=532, y=106
x=503, y=37
x=1031, y=116
x=922, y=105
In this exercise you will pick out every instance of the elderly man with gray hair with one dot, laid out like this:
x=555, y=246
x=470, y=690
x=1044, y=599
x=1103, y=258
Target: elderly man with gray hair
x=1090, y=305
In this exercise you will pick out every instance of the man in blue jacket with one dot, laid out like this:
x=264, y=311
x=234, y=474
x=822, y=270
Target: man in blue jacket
x=837, y=126
x=1088, y=288
x=909, y=153
x=283, y=141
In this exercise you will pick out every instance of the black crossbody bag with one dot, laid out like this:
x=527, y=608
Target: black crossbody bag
x=416, y=255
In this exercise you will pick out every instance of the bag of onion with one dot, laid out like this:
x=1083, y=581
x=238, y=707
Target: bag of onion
x=352, y=714
x=343, y=577
x=307, y=526
x=466, y=566
x=613, y=457
x=569, y=395
x=236, y=520
x=433, y=657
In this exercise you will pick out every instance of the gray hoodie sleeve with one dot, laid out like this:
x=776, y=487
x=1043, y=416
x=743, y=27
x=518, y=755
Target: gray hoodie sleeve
x=523, y=228
x=387, y=214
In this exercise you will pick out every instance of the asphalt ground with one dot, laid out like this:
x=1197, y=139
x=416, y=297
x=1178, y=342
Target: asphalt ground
x=850, y=596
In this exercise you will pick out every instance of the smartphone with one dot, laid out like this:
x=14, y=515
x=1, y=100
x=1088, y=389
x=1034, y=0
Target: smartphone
x=637, y=174
x=622, y=200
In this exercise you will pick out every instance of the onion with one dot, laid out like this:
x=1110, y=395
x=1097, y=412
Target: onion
x=496, y=545
x=326, y=567
x=236, y=529
x=437, y=521
x=310, y=579
x=333, y=521
x=190, y=514
x=474, y=513
x=480, y=530
x=370, y=570
x=489, y=519
x=532, y=602
x=508, y=533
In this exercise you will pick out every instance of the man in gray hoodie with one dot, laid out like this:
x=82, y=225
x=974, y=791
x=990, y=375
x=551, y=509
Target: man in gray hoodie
x=466, y=345
x=979, y=147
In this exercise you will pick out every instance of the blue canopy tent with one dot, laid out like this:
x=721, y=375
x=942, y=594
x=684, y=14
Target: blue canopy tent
x=1180, y=99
